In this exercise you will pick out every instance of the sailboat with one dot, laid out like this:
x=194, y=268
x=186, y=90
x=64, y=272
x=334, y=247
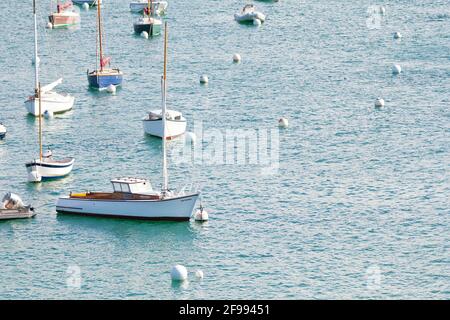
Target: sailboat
x=2, y=131
x=104, y=77
x=46, y=167
x=65, y=15
x=134, y=197
x=89, y=2
x=148, y=22
x=51, y=101
x=158, y=7
x=172, y=126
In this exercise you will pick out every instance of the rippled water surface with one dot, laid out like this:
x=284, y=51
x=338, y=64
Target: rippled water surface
x=358, y=209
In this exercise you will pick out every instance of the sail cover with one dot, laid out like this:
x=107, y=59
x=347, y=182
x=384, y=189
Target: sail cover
x=105, y=61
x=50, y=86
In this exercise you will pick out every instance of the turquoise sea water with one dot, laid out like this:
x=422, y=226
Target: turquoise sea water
x=358, y=209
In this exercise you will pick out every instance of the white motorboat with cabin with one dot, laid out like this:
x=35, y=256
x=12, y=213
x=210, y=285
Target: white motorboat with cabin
x=46, y=167
x=133, y=197
x=175, y=124
x=12, y=207
x=248, y=14
x=49, y=100
x=157, y=7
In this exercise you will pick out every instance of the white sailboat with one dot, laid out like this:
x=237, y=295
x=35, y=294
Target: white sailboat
x=134, y=197
x=46, y=167
x=175, y=124
x=51, y=101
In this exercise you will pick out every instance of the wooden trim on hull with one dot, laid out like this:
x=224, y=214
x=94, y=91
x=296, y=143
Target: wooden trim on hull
x=179, y=219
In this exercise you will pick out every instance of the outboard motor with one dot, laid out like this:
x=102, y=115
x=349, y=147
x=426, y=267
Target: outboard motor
x=12, y=201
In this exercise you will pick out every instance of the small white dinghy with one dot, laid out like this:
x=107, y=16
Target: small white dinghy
x=12, y=207
x=2, y=131
x=49, y=100
x=248, y=14
x=157, y=7
x=175, y=124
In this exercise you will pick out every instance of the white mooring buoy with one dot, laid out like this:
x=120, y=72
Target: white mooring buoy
x=283, y=123
x=48, y=114
x=236, y=58
x=199, y=274
x=201, y=215
x=144, y=34
x=396, y=69
x=204, y=79
x=397, y=35
x=379, y=103
x=111, y=88
x=86, y=6
x=256, y=22
x=179, y=273
x=49, y=25
x=382, y=10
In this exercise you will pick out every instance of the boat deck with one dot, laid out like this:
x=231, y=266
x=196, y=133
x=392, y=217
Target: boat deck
x=113, y=196
x=6, y=214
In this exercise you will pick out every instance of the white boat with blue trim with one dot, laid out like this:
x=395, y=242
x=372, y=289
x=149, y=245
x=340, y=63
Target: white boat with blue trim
x=2, y=131
x=133, y=197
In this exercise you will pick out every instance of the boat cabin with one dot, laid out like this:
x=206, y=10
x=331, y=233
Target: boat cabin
x=132, y=185
x=170, y=115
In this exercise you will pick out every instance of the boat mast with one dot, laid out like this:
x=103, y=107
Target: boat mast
x=36, y=62
x=163, y=113
x=100, y=33
x=40, y=122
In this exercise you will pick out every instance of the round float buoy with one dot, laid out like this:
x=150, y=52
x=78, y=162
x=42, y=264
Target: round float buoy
x=204, y=79
x=179, y=273
x=236, y=58
x=379, y=103
x=49, y=25
x=190, y=138
x=48, y=114
x=199, y=274
x=86, y=6
x=382, y=10
x=396, y=69
x=144, y=34
x=397, y=35
x=201, y=215
x=283, y=123
x=256, y=22
x=111, y=88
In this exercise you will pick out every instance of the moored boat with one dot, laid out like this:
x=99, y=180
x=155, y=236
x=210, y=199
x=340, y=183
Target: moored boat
x=148, y=23
x=89, y=2
x=103, y=77
x=47, y=99
x=2, y=131
x=175, y=124
x=157, y=7
x=65, y=15
x=12, y=207
x=248, y=14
